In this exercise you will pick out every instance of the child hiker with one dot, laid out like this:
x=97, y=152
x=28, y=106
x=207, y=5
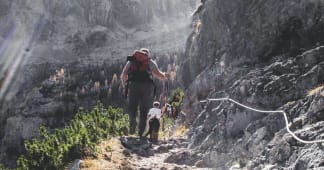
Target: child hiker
x=154, y=116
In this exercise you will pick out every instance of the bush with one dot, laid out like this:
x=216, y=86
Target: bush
x=78, y=139
x=175, y=100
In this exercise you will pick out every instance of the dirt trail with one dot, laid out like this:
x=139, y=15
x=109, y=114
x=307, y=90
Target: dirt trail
x=113, y=155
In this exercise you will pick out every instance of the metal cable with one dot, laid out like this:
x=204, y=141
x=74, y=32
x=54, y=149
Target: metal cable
x=264, y=111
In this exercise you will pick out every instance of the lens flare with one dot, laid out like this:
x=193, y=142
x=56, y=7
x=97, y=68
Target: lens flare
x=16, y=46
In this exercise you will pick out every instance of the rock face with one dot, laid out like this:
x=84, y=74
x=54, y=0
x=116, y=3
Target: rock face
x=58, y=56
x=267, y=55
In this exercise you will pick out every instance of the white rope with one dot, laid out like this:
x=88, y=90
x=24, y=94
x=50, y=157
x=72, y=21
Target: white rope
x=264, y=111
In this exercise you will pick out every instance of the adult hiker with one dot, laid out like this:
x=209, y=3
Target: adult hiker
x=137, y=82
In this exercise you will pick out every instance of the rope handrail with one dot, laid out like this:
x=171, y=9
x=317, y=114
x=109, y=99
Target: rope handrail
x=265, y=111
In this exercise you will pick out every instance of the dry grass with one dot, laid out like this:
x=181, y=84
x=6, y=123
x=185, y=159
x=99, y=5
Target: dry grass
x=110, y=157
x=164, y=134
x=180, y=131
x=316, y=90
x=88, y=164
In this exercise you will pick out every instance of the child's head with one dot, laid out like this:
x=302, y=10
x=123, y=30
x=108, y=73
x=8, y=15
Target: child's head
x=156, y=104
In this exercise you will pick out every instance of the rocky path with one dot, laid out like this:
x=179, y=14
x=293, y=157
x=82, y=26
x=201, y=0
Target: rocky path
x=128, y=153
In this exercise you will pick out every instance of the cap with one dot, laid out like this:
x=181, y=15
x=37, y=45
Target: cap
x=145, y=50
x=156, y=104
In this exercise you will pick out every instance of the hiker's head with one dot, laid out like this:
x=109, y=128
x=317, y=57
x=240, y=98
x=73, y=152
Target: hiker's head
x=156, y=104
x=145, y=50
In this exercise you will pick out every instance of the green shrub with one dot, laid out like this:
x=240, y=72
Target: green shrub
x=175, y=99
x=78, y=139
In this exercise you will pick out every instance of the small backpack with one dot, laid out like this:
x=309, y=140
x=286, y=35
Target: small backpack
x=139, y=68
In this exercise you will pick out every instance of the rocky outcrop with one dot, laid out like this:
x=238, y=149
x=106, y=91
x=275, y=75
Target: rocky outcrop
x=228, y=132
x=229, y=34
x=266, y=55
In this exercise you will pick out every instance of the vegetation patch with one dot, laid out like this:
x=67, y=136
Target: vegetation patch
x=175, y=100
x=76, y=140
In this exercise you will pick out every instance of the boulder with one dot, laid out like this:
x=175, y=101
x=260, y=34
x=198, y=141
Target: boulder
x=140, y=146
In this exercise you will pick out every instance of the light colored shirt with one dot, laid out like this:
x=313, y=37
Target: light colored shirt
x=154, y=112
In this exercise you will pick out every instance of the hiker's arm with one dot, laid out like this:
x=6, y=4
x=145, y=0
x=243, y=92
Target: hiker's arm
x=157, y=72
x=124, y=74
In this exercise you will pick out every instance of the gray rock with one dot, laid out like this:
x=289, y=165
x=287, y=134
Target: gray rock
x=200, y=164
x=138, y=146
x=75, y=165
x=256, y=54
x=17, y=129
x=126, y=152
x=162, y=149
x=181, y=158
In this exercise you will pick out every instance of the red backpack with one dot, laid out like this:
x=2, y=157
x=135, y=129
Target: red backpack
x=139, y=67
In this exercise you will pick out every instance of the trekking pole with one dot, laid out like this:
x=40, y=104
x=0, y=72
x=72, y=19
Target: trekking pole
x=163, y=103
